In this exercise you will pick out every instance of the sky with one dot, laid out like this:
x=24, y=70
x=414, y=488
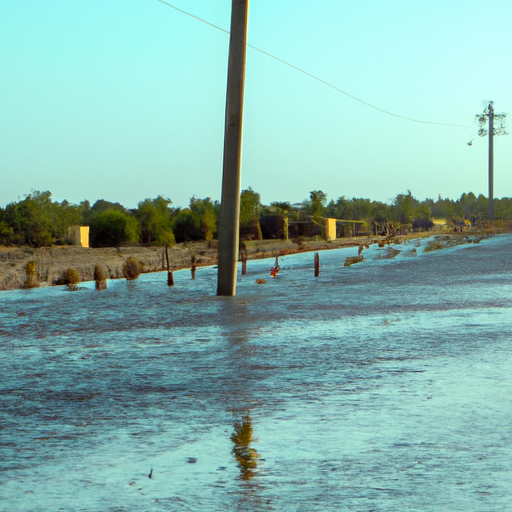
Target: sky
x=125, y=100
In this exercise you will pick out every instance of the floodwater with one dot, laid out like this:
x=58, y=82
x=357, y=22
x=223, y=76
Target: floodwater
x=383, y=386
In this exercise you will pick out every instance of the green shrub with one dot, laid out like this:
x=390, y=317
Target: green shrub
x=113, y=228
x=31, y=281
x=71, y=276
x=30, y=268
x=131, y=268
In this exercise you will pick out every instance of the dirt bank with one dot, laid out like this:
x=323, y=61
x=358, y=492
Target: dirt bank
x=51, y=263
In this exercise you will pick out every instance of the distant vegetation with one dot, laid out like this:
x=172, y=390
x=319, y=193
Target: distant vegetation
x=37, y=221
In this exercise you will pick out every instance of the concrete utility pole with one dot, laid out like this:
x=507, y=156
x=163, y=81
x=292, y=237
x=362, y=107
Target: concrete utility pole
x=230, y=200
x=488, y=115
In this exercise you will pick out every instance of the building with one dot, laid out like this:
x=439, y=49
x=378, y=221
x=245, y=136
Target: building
x=80, y=235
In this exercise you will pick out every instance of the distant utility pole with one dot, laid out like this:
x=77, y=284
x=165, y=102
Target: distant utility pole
x=496, y=127
x=229, y=214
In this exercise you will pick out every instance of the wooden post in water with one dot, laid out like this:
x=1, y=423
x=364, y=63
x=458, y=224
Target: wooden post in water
x=243, y=257
x=99, y=277
x=230, y=200
x=170, y=277
x=101, y=285
x=193, y=267
x=317, y=264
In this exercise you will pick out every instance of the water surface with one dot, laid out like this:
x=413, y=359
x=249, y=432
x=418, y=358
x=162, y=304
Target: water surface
x=381, y=386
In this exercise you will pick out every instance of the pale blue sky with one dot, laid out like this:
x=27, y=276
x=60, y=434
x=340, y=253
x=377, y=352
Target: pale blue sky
x=124, y=100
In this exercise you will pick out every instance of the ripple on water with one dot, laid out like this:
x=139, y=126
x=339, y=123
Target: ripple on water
x=382, y=386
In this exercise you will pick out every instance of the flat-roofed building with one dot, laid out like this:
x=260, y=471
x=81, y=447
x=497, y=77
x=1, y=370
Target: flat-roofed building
x=80, y=235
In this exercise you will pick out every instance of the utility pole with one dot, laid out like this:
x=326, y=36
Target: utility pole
x=489, y=116
x=229, y=214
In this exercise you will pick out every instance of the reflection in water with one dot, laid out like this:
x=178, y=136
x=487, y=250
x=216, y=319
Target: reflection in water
x=402, y=422
x=246, y=457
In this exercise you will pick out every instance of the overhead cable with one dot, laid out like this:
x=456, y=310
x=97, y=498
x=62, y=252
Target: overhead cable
x=337, y=89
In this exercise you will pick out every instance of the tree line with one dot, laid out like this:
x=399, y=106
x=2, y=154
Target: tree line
x=37, y=221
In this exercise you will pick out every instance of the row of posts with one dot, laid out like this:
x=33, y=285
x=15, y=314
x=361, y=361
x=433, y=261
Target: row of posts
x=101, y=282
x=170, y=277
x=243, y=259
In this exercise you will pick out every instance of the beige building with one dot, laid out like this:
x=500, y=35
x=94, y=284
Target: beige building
x=439, y=224
x=330, y=229
x=80, y=235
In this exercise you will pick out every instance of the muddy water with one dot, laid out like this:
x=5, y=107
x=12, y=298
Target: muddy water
x=381, y=386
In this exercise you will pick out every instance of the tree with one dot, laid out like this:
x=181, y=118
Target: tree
x=187, y=226
x=113, y=228
x=380, y=212
x=468, y=204
x=422, y=212
x=361, y=208
x=482, y=208
x=281, y=207
x=37, y=221
x=315, y=206
x=6, y=233
x=208, y=214
x=154, y=216
x=402, y=208
x=250, y=207
x=503, y=209
x=32, y=220
x=65, y=216
x=341, y=209
x=422, y=218
x=102, y=206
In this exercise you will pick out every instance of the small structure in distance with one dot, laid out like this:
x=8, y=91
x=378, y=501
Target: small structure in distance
x=80, y=235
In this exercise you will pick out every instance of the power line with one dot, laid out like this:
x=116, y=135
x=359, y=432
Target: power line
x=193, y=16
x=300, y=70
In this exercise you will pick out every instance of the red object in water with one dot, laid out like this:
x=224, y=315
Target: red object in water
x=275, y=269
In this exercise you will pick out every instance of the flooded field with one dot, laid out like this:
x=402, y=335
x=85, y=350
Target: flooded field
x=381, y=386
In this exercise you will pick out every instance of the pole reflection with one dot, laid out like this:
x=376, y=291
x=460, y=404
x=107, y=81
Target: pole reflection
x=237, y=319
